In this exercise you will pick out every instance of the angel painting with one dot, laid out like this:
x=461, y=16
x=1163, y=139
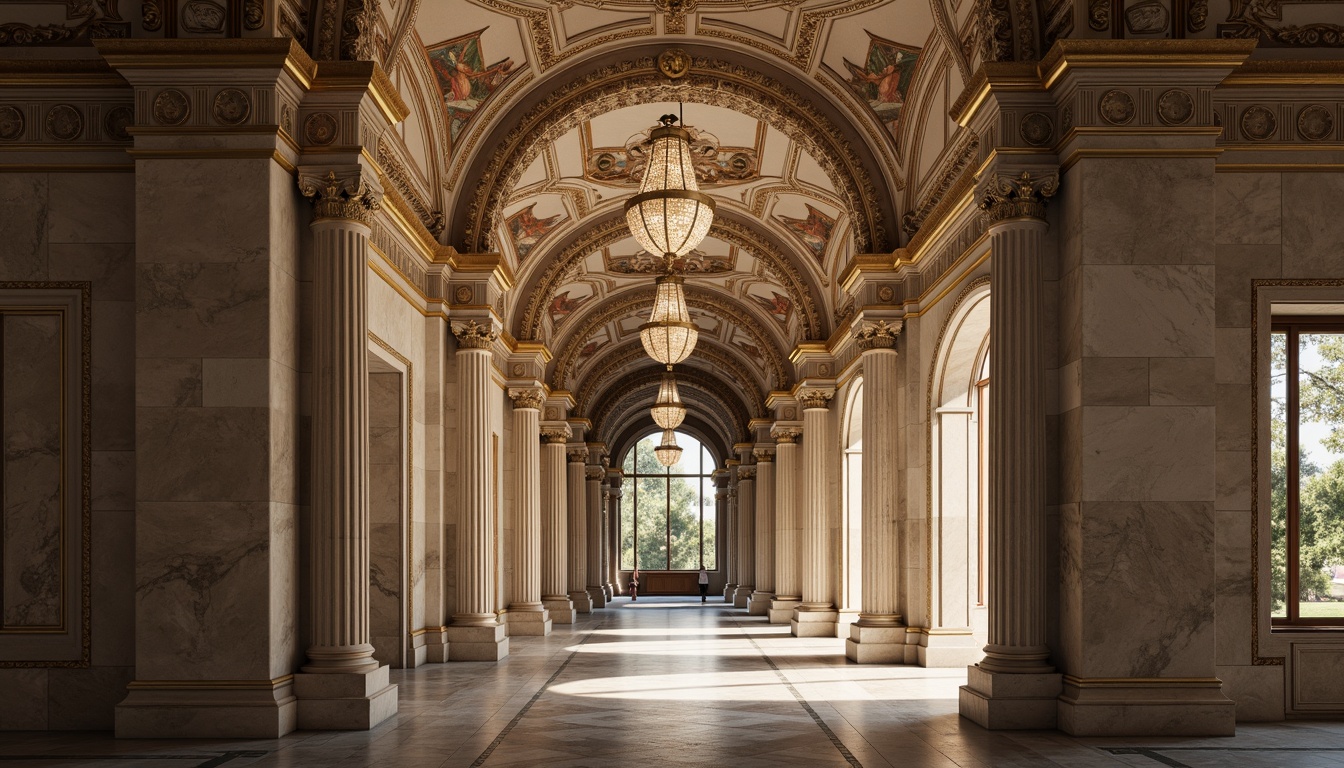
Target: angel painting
x=814, y=231
x=528, y=230
x=562, y=305
x=778, y=305
x=884, y=78
x=464, y=79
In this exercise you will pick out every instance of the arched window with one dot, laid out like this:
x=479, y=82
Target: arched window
x=667, y=513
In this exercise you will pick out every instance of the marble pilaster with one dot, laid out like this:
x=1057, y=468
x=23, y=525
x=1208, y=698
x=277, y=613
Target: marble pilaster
x=746, y=542
x=611, y=526
x=788, y=593
x=554, y=524
x=527, y=614
x=759, y=605
x=816, y=615
x=578, y=532
x=723, y=514
x=879, y=635
x=592, y=525
x=475, y=633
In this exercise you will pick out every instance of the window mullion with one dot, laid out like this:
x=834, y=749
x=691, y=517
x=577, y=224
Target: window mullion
x=1292, y=582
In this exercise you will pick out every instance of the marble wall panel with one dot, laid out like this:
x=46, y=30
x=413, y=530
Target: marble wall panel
x=113, y=598
x=1248, y=208
x=83, y=699
x=1235, y=430
x=1115, y=380
x=1233, y=584
x=194, y=211
x=1071, y=565
x=209, y=309
x=288, y=435
x=286, y=643
x=1070, y=388
x=1066, y=216
x=202, y=454
x=1233, y=480
x=1313, y=229
x=171, y=381
x=1148, y=311
x=1147, y=211
x=1232, y=362
x=1258, y=692
x=284, y=322
x=24, y=705
x=387, y=556
x=24, y=227
x=113, y=480
x=1070, y=316
x=109, y=266
x=235, y=382
x=92, y=208
x=203, y=577
x=1147, y=589
x=1147, y=453
x=34, y=510
x=1180, y=381
x=113, y=371
x=1237, y=266
x=1317, y=677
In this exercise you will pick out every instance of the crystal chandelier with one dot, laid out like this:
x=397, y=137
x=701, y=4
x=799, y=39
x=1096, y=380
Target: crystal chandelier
x=669, y=452
x=669, y=336
x=670, y=215
x=668, y=411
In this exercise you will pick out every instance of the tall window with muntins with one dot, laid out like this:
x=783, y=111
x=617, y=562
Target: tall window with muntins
x=667, y=513
x=1307, y=471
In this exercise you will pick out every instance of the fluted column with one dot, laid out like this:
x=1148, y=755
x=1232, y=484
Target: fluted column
x=746, y=540
x=879, y=636
x=759, y=604
x=610, y=517
x=554, y=526
x=788, y=592
x=725, y=503
x=343, y=206
x=576, y=526
x=527, y=615
x=593, y=498
x=1015, y=209
x=816, y=616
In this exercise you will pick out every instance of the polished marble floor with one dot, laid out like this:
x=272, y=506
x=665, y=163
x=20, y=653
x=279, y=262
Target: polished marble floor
x=671, y=682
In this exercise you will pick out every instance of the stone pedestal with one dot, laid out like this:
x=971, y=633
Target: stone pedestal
x=528, y=621
x=1010, y=701
x=1142, y=707
x=345, y=701
x=740, y=596
x=487, y=642
x=813, y=622
x=876, y=644
x=946, y=648
x=781, y=611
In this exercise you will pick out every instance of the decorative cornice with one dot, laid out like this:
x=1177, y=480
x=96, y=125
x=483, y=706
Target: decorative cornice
x=349, y=195
x=527, y=398
x=787, y=435
x=879, y=335
x=763, y=455
x=472, y=335
x=1022, y=197
x=815, y=399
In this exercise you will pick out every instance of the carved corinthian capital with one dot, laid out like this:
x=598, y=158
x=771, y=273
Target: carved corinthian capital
x=556, y=434
x=1017, y=197
x=349, y=194
x=787, y=434
x=472, y=335
x=578, y=456
x=527, y=398
x=764, y=455
x=594, y=473
x=879, y=335
x=815, y=399
x=746, y=473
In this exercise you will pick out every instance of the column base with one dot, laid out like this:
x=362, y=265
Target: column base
x=843, y=621
x=740, y=597
x=561, y=610
x=581, y=601
x=267, y=711
x=876, y=645
x=759, y=604
x=1007, y=701
x=436, y=645
x=781, y=611
x=531, y=623
x=598, y=596
x=344, y=701
x=729, y=590
x=477, y=643
x=1145, y=707
x=813, y=622
x=610, y=591
x=947, y=649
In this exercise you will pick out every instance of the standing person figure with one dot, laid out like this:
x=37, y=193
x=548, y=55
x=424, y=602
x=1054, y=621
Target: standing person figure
x=634, y=585
x=704, y=583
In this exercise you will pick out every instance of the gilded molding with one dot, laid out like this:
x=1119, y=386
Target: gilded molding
x=879, y=335
x=348, y=196
x=527, y=398
x=471, y=335
x=1022, y=197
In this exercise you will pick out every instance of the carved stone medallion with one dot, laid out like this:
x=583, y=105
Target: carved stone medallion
x=885, y=294
x=231, y=106
x=11, y=123
x=320, y=128
x=1149, y=17
x=64, y=122
x=518, y=369
x=117, y=120
x=171, y=107
x=1258, y=123
x=1314, y=122
x=674, y=63
x=1175, y=107
x=203, y=16
x=1116, y=107
x=1037, y=129
x=463, y=294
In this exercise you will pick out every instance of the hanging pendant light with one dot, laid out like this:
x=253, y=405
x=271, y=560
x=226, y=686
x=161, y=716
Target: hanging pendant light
x=670, y=215
x=669, y=452
x=668, y=412
x=669, y=336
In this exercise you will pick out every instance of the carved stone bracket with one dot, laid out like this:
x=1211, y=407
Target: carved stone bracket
x=1017, y=197
x=527, y=398
x=348, y=195
x=879, y=335
x=815, y=399
x=472, y=335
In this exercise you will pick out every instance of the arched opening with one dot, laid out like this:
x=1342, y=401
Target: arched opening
x=958, y=504
x=851, y=506
x=668, y=527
